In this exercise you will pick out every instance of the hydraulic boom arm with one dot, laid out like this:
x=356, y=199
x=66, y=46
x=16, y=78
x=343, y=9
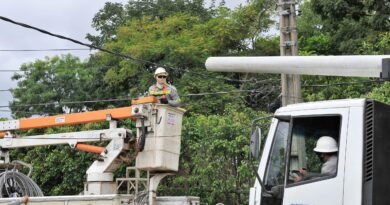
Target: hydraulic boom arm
x=66, y=119
x=74, y=118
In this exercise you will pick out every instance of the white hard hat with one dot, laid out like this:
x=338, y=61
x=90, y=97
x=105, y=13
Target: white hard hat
x=160, y=70
x=326, y=144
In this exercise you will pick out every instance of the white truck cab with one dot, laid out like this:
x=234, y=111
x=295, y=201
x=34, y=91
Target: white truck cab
x=359, y=128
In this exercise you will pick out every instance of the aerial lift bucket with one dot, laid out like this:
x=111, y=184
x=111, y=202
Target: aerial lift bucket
x=159, y=125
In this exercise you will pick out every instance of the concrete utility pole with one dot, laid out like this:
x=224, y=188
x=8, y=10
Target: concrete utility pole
x=291, y=84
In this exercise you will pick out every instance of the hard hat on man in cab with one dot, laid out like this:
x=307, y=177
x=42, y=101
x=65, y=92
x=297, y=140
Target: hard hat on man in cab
x=326, y=144
x=160, y=71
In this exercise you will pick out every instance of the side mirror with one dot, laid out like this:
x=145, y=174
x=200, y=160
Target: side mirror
x=256, y=142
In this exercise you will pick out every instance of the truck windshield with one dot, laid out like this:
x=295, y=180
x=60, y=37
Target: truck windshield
x=275, y=172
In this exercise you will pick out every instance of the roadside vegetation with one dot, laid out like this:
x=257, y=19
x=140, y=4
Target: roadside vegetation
x=182, y=34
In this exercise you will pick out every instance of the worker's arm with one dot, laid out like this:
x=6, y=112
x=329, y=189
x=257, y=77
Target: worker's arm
x=19, y=201
x=173, y=98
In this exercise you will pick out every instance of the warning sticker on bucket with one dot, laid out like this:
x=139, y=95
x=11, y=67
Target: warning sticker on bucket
x=171, y=120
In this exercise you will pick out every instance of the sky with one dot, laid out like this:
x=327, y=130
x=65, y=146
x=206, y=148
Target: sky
x=71, y=18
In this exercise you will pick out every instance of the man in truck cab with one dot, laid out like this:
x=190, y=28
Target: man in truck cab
x=165, y=93
x=326, y=149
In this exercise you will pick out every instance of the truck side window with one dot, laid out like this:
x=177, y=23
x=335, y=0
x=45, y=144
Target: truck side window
x=314, y=148
x=275, y=172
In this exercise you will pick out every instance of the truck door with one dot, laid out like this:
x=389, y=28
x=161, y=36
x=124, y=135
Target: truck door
x=307, y=181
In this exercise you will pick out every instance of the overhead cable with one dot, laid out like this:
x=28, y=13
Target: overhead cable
x=185, y=95
x=218, y=93
x=67, y=103
x=346, y=83
x=97, y=47
x=76, y=41
x=10, y=71
x=48, y=49
x=230, y=79
x=125, y=99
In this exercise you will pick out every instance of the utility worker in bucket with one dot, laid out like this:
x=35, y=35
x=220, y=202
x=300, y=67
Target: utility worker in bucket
x=164, y=92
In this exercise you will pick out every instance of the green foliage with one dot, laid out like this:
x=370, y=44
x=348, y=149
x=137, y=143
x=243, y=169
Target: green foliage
x=114, y=15
x=376, y=44
x=381, y=93
x=347, y=23
x=106, y=21
x=214, y=160
x=341, y=27
x=56, y=80
x=313, y=39
x=58, y=170
x=183, y=42
x=64, y=84
x=164, y=8
x=180, y=34
x=316, y=45
x=328, y=88
x=267, y=46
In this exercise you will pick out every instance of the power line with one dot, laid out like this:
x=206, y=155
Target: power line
x=67, y=103
x=10, y=71
x=77, y=138
x=126, y=99
x=346, y=83
x=253, y=80
x=76, y=41
x=185, y=95
x=218, y=93
x=48, y=49
x=98, y=48
x=18, y=70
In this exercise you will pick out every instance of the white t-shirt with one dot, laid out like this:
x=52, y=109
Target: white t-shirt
x=330, y=166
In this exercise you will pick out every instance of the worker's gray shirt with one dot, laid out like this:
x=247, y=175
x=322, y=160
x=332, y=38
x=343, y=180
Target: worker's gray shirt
x=330, y=166
x=15, y=202
x=172, y=95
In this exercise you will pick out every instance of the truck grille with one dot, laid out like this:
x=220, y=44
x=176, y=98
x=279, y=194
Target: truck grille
x=369, y=141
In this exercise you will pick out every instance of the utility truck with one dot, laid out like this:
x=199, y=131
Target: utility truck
x=359, y=127
x=155, y=146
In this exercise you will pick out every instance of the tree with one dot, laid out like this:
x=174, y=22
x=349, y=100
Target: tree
x=334, y=28
x=215, y=31
x=350, y=23
x=328, y=88
x=214, y=160
x=161, y=9
x=381, y=93
x=180, y=38
x=182, y=42
x=106, y=21
x=57, y=80
x=114, y=15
